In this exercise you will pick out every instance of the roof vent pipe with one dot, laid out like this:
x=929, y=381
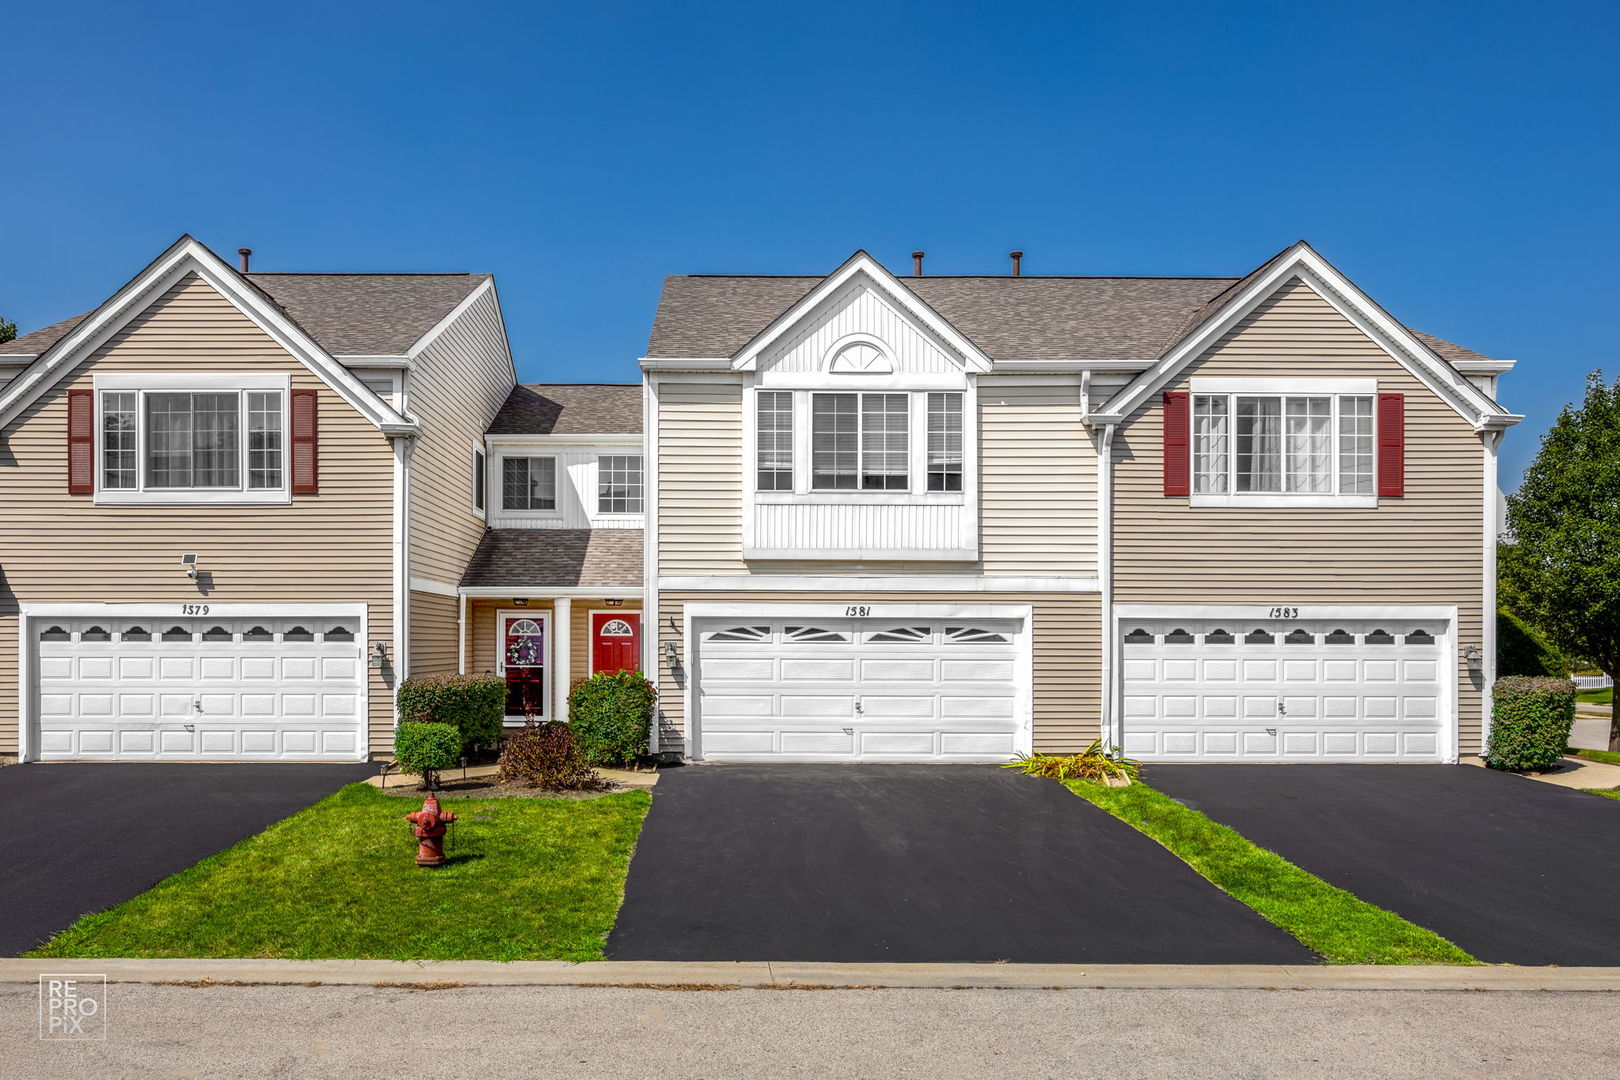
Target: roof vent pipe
x=1017, y=257
x=246, y=253
x=916, y=263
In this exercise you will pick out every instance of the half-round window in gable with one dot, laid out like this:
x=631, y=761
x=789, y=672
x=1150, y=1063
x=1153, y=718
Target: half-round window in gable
x=257, y=633
x=55, y=633
x=1340, y=637
x=298, y=633
x=1258, y=637
x=1379, y=637
x=340, y=633
x=1178, y=636
x=216, y=633
x=177, y=633
x=1300, y=636
x=860, y=357
x=1420, y=637
x=137, y=633
x=1140, y=636
x=1218, y=637
x=96, y=633
x=616, y=628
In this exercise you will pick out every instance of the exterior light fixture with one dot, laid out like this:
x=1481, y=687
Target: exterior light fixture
x=379, y=654
x=520, y=601
x=669, y=654
x=615, y=603
x=189, y=561
x=1475, y=658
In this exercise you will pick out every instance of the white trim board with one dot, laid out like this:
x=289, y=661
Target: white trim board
x=542, y=592
x=1302, y=262
x=186, y=256
x=918, y=583
x=438, y=588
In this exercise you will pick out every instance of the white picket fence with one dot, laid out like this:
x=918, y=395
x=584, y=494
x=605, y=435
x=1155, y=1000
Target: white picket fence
x=1592, y=682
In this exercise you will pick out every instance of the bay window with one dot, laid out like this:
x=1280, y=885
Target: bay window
x=774, y=432
x=859, y=442
x=944, y=442
x=1282, y=444
x=203, y=443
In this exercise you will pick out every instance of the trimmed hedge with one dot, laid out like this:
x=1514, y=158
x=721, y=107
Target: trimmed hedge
x=475, y=705
x=424, y=749
x=612, y=714
x=1530, y=722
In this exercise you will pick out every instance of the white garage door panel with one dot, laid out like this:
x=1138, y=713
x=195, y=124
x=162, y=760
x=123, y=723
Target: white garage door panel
x=1315, y=690
x=161, y=688
x=859, y=689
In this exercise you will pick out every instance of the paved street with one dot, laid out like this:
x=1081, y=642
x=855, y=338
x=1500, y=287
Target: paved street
x=337, y=1032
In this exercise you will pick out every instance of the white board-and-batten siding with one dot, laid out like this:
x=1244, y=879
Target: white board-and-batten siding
x=334, y=547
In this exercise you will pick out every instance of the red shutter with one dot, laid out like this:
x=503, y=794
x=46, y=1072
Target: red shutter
x=1177, y=444
x=305, y=442
x=81, y=442
x=1391, y=445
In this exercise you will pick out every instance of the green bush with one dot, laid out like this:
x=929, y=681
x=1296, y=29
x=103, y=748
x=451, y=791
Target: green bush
x=547, y=756
x=1530, y=722
x=424, y=749
x=1522, y=651
x=474, y=705
x=612, y=714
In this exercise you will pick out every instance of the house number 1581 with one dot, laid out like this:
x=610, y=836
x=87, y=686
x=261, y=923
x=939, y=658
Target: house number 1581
x=858, y=611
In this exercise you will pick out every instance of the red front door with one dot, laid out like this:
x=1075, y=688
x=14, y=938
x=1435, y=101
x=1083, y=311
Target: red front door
x=615, y=641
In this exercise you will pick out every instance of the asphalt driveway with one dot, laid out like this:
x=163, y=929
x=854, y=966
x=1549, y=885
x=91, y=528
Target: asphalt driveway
x=80, y=838
x=1513, y=870
x=914, y=863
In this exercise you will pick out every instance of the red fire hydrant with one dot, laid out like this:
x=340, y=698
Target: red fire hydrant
x=430, y=824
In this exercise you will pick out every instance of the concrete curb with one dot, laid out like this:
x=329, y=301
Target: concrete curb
x=782, y=976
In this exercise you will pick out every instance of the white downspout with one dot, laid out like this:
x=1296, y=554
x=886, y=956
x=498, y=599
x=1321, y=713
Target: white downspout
x=1493, y=530
x=1110, y=728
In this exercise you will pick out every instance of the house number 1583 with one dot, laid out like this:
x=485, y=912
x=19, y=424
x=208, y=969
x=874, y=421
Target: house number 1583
x=858, y=611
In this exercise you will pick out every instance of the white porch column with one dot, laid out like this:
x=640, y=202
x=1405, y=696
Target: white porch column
x=562, y=628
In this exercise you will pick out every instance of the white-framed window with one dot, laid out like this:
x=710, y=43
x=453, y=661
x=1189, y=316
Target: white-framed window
x=859, y=441
x=208, y=438
x=618, y=484
x=944, y=441
x=529, y=483
x=1311, y=445
x=480, y=479
x=773, y=411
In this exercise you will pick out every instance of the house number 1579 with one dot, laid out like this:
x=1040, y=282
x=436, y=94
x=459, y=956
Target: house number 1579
x=858, y=611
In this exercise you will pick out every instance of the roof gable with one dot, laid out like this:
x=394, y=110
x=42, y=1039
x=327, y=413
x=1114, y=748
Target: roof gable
x=859, y=275
x=1301, y=263
x=187, y=256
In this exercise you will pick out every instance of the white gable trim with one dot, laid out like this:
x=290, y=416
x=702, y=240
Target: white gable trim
x=1303, y=263
x=888, y=286
x=487, y=288
x=184, y=257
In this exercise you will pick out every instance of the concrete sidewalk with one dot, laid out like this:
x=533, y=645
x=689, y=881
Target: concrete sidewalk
x=700, y=975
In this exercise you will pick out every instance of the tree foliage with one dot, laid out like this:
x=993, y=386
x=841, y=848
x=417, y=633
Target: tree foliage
x=8, y=330
x=1562, y=570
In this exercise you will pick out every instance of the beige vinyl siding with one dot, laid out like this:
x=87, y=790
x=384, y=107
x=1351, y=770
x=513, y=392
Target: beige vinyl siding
x=1425, y=548
x=334, y=547
x=1067, y=656
x=1038, y=481
x=455, y=387
x=699, y=511
x=1037, y=492
x=433, y=627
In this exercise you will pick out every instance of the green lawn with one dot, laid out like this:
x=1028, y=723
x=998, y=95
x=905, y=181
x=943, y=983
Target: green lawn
x=529, y=879
x=1608, y=757
x=1602, y=792
x=1604, y=696
x=1325, y=919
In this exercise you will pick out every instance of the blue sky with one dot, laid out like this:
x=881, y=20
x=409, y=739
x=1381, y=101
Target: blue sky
x=1458, y=161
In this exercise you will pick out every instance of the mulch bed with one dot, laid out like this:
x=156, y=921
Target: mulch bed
x=487, y=787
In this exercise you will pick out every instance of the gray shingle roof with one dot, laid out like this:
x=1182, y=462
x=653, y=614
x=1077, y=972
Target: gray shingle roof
x=346, y=314
x=367, y=314
x=1022, y=318
x=570, y=409
x=556, y=558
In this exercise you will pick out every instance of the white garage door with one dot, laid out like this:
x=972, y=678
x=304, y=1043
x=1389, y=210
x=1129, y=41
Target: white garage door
x=168, y=689
x=1320, y=690
x=803, y=689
